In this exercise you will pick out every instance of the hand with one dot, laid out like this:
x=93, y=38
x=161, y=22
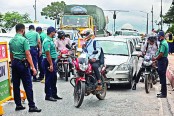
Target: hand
x=34, y=71
x=143, y=53
x=93, y=60
x=153, y=59
x=40, y=53
x=50, y=68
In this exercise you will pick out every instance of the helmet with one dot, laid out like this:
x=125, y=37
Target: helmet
x=88, y=32
x=61, y=34
x=152, y=38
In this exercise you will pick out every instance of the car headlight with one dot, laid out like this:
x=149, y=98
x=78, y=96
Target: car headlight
x=123, y=67
x=147, y=63
x=83, y=67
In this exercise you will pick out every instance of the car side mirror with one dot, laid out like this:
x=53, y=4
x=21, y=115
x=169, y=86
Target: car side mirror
x=138, y=48
x=67, y=46
x=73, y=43
x=95, y=52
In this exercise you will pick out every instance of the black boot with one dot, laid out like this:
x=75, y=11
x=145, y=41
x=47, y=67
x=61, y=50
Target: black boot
x=134, y=86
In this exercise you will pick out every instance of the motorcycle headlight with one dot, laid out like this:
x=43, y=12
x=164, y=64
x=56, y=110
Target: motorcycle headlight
x=123, y=67
x=64, y=55
x=83, y=67
x=147, y=63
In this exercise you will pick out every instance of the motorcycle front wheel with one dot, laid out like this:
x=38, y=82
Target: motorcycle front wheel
x=147, y=83
x=79, y=93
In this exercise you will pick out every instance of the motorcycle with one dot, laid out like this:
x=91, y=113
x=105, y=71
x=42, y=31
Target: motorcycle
x=63, y=64
x=84, y=80
x=150, y=74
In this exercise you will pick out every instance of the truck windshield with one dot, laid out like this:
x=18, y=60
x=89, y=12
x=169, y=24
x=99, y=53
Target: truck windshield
x=75, y=21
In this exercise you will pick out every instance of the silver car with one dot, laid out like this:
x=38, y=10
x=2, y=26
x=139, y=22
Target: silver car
x=120, y=60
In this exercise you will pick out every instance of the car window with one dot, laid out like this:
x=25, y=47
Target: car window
x=113, y=47
x=131, y=47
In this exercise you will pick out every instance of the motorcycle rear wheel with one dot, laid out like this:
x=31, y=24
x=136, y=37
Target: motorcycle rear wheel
x=147, y=84
x=66, y=72
x=79, y=93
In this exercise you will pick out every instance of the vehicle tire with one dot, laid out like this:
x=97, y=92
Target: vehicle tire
x=79, y=93
x=66, y=72
x=147, y=84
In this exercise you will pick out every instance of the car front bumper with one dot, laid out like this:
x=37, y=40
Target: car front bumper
x=118, y=77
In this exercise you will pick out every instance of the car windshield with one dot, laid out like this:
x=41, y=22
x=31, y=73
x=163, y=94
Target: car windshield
x=114, y=47
x=129, y=33
x=75, y=21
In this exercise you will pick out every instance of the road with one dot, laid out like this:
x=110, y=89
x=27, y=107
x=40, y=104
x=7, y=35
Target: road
x=119, y=102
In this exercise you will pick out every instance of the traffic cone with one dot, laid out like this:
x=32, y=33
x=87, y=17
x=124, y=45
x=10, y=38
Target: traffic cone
x=1, y=110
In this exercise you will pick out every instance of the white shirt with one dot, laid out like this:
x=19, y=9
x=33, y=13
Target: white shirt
x=151, y=50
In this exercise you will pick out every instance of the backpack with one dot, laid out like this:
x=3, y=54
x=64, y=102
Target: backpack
x=148, y=45
x=101, y=57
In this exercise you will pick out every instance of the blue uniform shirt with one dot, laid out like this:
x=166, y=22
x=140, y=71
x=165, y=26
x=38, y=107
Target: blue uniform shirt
x=90, y=48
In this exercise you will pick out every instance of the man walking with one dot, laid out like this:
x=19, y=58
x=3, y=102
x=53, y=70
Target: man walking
x=40, y=57
x=21, y=63
x=162, y=59
x=34, y=41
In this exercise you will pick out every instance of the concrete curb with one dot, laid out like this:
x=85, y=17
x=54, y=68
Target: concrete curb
x=170, y=89
x=170, y=77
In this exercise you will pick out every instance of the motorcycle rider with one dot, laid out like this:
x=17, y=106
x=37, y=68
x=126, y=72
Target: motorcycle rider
x=150, y=48
x=94, y=58
x=62, y=41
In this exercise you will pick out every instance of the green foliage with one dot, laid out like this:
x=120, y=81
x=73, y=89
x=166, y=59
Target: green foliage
x=10, y=19
x=52, y=11
x=169, y=16
x=1, y=19
x=171, y=29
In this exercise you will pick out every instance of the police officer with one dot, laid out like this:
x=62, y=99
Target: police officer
x=21, y=63
x=34, y=41
x=49, y=57
x=162, y=59
x=40, y=57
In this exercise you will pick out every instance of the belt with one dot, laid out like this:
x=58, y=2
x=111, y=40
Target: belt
x=33, y=46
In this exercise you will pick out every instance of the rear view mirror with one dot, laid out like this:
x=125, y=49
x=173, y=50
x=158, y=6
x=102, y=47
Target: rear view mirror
x=67, y=46
x=73, y=43
x=95, y=52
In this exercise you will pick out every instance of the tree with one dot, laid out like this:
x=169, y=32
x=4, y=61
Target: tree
x=12, y=18
x=52, y=11
x=169, y=16
x=1, y=19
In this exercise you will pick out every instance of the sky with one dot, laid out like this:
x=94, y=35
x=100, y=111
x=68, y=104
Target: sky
x=134, y=16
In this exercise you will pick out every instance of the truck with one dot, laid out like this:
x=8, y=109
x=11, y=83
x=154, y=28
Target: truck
x=80, y=17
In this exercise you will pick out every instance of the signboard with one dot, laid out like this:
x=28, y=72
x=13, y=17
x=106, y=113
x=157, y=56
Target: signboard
x=5, y=92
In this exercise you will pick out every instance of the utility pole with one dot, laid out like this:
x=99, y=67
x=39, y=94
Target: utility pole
x=152, y=16
x=161, y=17
x=114, y=15
x=34, y=6
x=147, y=23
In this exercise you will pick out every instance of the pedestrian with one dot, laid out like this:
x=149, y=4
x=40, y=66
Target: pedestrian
x=49, y=56
x=21, y=63
x=170, y=42
x=40, y=57
x=34, y=41
x=162, y=59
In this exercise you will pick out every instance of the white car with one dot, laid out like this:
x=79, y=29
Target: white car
x=121, y=63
